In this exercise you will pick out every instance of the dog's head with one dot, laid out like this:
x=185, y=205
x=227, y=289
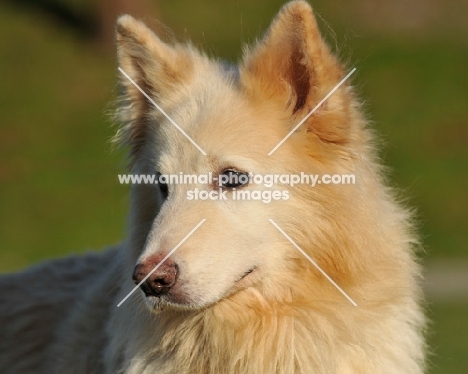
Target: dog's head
x=191, y=115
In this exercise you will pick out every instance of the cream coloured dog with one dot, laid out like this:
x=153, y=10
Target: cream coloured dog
x=236, y=297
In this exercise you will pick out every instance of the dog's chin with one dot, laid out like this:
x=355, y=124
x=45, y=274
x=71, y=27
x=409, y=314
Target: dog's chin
x=162, y=304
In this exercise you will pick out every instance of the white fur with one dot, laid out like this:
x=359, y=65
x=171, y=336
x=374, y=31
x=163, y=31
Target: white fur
x=284, y=317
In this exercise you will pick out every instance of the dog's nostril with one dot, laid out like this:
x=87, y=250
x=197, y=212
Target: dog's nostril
x=159, y=281
x=163, y=282
x=162, y=279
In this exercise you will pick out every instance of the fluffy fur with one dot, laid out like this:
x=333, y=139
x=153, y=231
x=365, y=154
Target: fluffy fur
x=284, y=317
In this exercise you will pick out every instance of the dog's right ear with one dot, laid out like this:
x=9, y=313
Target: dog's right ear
x=293, y=67
x=157, y=68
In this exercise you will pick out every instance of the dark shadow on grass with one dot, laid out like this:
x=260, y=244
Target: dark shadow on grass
x=85, y=25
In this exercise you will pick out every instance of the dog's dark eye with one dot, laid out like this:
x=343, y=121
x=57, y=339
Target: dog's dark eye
x=163, y=187
x=231, y=178
x=164, y=190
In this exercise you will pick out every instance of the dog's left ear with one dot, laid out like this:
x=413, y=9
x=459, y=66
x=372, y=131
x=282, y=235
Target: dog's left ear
x=294, y=67
x=159, y=69
x=153, y=64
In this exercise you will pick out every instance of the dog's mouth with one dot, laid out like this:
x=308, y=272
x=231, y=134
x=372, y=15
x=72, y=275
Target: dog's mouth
x=159, y=303
x=249, y=278
x=246, y=274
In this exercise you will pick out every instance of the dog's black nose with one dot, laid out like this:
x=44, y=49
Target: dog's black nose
x=160, y=281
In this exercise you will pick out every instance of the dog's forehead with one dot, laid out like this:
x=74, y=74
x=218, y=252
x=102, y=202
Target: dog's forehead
x=214, y=117
x=221, y=120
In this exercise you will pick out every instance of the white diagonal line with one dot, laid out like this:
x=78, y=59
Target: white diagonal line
x=312, y=111
x=162, y=111
x=313, y=263
x=162, y=261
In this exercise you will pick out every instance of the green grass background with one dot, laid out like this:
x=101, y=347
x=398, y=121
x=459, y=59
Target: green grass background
x=59, y=191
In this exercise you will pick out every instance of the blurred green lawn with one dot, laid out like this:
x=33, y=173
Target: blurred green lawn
x=58, y=177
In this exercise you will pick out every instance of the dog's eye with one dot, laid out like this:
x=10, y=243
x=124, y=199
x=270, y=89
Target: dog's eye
x=163, y=187
x=231, y=178
x=164, y=190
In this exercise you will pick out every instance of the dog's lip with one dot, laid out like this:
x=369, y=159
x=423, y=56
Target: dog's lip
x=164, y=302
x=250, y=271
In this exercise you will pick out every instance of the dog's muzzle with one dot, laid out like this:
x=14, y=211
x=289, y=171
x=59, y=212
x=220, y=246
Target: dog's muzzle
x=160, y=281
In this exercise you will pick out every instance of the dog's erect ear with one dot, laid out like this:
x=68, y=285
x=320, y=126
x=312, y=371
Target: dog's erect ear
x=293, y=66
x=157, y=68
x=150, y=62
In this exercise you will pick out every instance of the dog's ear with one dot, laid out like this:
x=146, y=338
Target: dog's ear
x=157, y=68
x=293, y=66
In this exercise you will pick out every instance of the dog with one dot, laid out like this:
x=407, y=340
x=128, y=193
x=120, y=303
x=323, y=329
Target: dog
x=320, y=279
